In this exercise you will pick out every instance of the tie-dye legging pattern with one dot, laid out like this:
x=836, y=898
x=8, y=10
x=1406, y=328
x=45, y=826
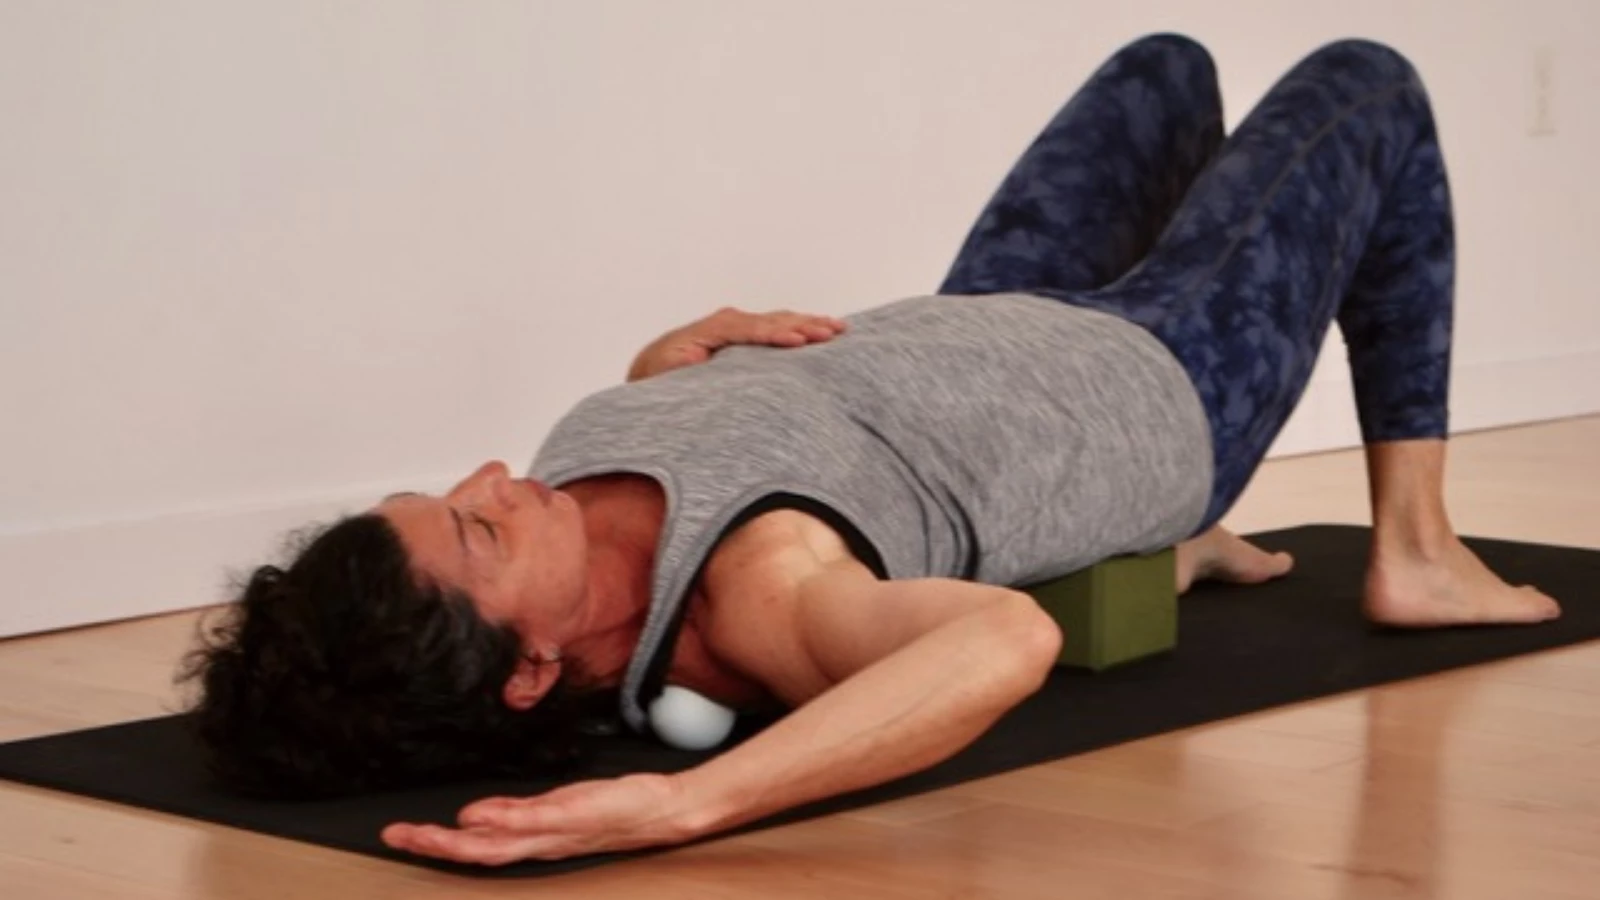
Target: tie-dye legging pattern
x=1330, y=201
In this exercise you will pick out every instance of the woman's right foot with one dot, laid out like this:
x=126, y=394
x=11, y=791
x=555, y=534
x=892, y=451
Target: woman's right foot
x=1221, y=555
x=1447, y=586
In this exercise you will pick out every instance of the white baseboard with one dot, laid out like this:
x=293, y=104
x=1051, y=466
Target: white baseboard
x=97, y=573
x=72, y=576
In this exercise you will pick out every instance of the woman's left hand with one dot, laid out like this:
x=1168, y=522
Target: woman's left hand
x=587, y=817
x=697, y=342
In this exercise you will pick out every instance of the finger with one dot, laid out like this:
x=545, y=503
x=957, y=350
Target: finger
x=484, y=812
x=515, y=815
x=791, y=319
x=819, y=331
x=711, y=339
x=489, y=847
x=786, y=337
x=689, y=354
x=833, y=322
x=774, y=329
x=774, y=333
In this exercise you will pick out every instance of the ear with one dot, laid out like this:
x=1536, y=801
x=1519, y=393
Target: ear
x=529, y=683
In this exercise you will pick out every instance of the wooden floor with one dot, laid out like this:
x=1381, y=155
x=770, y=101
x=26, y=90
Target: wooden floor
x=1482, y=783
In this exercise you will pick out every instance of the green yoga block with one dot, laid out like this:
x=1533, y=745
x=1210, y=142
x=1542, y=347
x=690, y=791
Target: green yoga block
x=1116, y=611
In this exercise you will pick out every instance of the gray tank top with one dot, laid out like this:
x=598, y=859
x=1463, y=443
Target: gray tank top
x=1006, y=439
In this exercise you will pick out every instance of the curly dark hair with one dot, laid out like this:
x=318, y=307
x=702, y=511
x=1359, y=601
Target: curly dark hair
x=347, y=672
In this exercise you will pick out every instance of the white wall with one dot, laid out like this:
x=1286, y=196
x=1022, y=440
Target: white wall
x=260, y=262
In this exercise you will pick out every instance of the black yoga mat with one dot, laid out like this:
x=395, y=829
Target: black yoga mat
x=1240, y=650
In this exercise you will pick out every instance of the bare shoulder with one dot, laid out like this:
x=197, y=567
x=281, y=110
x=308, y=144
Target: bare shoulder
x=751, y=589
x=788, y=606
x=778, y=546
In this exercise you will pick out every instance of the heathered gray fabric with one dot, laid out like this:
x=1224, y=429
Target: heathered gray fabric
x=1007, y=439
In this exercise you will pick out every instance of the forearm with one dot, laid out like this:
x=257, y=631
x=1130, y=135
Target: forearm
x=908, y=711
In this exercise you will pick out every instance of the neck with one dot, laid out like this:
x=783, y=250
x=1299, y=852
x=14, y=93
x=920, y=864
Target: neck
x=622, y=524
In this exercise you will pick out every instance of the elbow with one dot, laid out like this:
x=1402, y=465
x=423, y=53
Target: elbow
x=1030, y=640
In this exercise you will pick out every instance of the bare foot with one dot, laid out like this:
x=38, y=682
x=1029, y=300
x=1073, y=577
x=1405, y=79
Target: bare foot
x=1448, y=587
x=1221, y=555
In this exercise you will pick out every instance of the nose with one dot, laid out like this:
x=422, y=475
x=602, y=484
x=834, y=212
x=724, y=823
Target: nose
x=498, y=484
x=487, y=480
x=493, y=471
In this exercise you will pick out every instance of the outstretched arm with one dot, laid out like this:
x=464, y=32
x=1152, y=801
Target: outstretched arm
x=904, y=674
x=919, y=669
x=697, y=341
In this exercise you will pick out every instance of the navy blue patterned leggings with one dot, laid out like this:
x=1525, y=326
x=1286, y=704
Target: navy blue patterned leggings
x=1329, y=202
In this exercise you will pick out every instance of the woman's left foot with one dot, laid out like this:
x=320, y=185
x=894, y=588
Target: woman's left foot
x=1221, y=555
x=1450, y=585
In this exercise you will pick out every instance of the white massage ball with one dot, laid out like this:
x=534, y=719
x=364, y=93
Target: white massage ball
x=689, y=721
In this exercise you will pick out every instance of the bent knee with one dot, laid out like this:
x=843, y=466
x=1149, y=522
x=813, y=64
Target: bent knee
x=1364, y=57
x=1184, y=57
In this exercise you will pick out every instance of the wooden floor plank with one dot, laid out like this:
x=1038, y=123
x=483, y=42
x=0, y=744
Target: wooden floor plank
x=1483, y=782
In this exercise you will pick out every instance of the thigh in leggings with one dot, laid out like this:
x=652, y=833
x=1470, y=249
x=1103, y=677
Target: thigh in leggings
x=1330, y=202
x=1088, y=199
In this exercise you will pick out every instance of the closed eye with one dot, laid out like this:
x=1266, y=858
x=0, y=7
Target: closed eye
x=493, y=535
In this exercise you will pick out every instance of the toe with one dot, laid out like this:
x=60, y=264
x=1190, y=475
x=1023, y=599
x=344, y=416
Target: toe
x=1535, y=606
